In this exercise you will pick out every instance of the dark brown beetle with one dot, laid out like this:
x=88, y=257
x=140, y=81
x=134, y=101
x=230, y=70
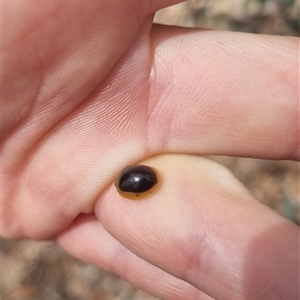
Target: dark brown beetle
x=136, y=182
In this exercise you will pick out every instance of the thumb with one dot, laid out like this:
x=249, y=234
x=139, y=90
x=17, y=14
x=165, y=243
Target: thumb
x=202, y=226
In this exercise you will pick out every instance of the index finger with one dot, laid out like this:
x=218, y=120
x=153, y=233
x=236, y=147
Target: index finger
x=224, y=93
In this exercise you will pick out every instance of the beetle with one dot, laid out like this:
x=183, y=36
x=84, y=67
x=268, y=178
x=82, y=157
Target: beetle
x=136, y=182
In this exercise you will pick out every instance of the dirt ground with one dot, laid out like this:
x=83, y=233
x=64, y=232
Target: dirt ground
x=33, y=270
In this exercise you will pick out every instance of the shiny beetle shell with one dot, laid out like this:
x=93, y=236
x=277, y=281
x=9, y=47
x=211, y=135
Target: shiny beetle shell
x=137, y=181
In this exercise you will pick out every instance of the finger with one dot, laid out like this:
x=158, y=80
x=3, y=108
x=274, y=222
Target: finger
x=87, y=240
x=231, y=93
x=204, y=228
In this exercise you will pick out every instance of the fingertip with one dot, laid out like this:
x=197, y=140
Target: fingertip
x=197, y=226
x=171, y=224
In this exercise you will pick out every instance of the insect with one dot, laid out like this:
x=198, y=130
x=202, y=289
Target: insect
x=136, y=182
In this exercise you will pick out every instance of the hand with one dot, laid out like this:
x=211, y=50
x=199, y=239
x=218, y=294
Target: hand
x=89, y=89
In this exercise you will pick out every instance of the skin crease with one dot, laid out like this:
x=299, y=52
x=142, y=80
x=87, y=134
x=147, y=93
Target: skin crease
x=83, y=96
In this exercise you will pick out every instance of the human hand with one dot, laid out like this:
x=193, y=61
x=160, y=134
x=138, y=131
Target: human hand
x=80, y=104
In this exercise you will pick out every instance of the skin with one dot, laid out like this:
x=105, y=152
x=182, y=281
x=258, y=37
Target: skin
x=89, y=89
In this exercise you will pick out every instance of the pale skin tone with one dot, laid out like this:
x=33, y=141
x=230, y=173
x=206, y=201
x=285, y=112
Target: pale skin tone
x=89, y=89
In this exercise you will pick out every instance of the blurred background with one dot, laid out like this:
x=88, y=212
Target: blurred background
x=33, y=270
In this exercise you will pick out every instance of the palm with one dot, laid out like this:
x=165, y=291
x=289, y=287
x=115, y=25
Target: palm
x=75, y=108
